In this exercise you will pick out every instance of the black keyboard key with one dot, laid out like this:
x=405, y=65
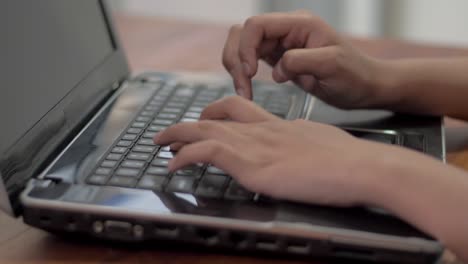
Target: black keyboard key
x=97, y=179
x=160, y=162
x=205, y=98
x=135, y=164
x=212, y=185
x=194, y=171
x=214, y=170
x=185, y=92
x=138, y=156
x=145, y=119
x=165, y=155
x=134, y=130
x=195, y=109
x=119, y=150
x=214, y=92
x=144, y=149
x=131, y=137
x=103, y=171
x=174, y=110
x=236, y=192
x=152, y=182
x=148, y=113
x=114, y=156
x=188, y=120
x=149, y=135
x=109, y=163
x=160, y=97
x=200, y=104
x=157, y=171
x=122, y=181
x=181, y=184
x=163, y=122
x=146, y=142
x=155, y=104
x=154, y=107
x=183, y=100
x=139, y=125
x=192, y=115
x=127, y=172
x=167, y=116
x=176, y=105
x=155, y=128
x=166, y=148
x=124, y=143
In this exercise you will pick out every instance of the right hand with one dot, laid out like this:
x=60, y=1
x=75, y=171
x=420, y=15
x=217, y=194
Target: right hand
x=302, y=48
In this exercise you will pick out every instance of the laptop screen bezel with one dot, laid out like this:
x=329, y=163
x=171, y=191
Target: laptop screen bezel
x=69, y=115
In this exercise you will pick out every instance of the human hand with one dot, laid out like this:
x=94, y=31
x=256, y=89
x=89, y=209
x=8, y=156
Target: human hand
x=302, y=48
x=294, y=160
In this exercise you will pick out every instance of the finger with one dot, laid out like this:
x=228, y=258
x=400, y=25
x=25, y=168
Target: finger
x=196, y=131
x=236, y=109
x=232, y=63
x=242, y=83
x=319, y=62
x=257, y=29
x=214, y=152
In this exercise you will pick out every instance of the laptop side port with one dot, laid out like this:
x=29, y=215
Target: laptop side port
x=266, y=243
x=297, y=247
x=207, y=236
x=238, y=239
x=355, y=253
x=166, y=230
x=45, y=220
x=71, y=224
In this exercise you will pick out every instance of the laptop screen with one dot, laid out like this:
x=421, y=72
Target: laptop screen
x=52, y=48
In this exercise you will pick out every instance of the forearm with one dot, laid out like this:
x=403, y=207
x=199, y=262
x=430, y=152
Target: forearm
x=425, y=86
x=427, y=193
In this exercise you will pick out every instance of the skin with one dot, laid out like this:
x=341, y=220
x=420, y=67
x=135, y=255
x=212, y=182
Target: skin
x=323, y=164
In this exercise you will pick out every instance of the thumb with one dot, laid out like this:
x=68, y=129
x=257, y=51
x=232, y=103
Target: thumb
x=319, y=62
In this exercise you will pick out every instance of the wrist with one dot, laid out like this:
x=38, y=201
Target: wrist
x=387, y=82
x=389, y=176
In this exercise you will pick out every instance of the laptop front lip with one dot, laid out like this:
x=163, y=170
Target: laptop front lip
x=292, y=229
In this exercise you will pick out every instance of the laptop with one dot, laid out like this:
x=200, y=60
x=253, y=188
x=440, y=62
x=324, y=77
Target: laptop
x=77, y=157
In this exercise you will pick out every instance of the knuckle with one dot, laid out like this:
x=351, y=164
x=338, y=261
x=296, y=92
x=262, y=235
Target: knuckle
x=338, y=55
x=235, y=29
x=209, y=126
x=252, y=22
x=233, y=101
x=227, y=62
x=244, y=54
x=215, y=148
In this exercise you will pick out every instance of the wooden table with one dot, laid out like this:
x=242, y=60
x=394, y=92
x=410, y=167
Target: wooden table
x=165, y=45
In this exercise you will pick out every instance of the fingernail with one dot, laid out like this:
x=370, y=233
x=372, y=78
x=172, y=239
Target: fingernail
x=247, y=69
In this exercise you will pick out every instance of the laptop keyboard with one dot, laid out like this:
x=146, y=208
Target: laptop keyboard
x=134, y=161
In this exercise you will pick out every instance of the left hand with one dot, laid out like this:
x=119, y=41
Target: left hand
x=296, y=160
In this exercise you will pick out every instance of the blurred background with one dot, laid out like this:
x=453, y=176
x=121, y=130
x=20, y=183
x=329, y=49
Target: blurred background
x=429, y=21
